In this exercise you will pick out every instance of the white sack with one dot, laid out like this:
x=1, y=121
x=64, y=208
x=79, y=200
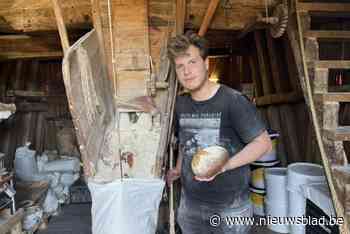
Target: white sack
x=126, y=207
x=67, y=164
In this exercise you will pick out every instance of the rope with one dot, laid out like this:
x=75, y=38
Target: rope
x=117, y=120
x=112, y=47
x=338, y=207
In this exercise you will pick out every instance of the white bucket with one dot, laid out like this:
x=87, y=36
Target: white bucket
x=299, y=174
x=277, y=211
x=276, y=184
x=304, y=173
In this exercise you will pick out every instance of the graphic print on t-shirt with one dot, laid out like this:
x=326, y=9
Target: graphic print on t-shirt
x=198, y=131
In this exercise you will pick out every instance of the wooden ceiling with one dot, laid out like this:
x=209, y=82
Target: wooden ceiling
x=38, y=15
x=28, y=28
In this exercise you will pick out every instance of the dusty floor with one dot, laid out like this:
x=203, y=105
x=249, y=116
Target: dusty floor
x=73, y=219
x=76, y=219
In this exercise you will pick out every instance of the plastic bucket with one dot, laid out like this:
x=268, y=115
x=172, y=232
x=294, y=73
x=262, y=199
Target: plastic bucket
x=276, y=184
x=257, y=173
x=257, y=199
x=277, y=211
x=299, y=174
x=303, y=173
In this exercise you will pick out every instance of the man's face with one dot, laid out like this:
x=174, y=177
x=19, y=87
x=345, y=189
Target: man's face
x=191, y=69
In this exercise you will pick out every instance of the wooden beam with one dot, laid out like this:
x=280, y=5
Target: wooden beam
x=274, y=62
x=266, y=83
x=326, y=7
x=252, y=26
x=97, y=22
x=31, y=55
x=333, y=97
x=341, y=133
x=27, y=16
x=32, y=107
x=24, y=46
x=277, y=99
x=180, y=16
x=336, y=64
x=26, y=93
x=208, y=17
x=254, y=67
x=328, y=34
x=60, y=25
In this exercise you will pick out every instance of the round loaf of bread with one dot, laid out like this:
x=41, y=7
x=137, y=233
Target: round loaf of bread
x=209, y=161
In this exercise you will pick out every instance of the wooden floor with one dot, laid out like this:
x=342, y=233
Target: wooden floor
x=76, y=219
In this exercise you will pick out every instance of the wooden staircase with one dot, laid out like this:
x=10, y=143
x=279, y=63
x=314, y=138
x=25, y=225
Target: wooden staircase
x=326, y=102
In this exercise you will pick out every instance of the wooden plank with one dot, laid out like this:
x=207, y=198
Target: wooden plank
x=341, y=133
x=289, y=126
x=311, y=49
x=274, y=62
x=276, y=99
x=26, y=47
x=263, y=67
x=33, y=16
x=60, y=25
x=97, y=22
x=26, y=93
x=327, y=7
x=320, y=81
x=330, y=115
x=335, y=64
x=208, y=17
x=327, y=34
x=180, y=16
x=31, y=55
x=294, y=67
x=32, y=107
x=333, y=97
x=131, y=43
x=273, y=114
x=255, y=77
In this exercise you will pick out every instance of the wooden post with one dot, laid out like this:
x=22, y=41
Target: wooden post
x=60, y=25
x=208, y=17
x=96, y=16
x=266, y=83
x=180, y=16
x=275, y=63
x=255, y=76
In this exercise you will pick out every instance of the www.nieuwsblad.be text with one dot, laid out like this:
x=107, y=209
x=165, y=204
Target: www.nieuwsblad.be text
x=216, y=220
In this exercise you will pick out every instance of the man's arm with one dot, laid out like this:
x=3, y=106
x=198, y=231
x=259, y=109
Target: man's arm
x=259, y=146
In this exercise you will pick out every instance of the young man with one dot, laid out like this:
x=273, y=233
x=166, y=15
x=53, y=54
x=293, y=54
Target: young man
x=212, y=114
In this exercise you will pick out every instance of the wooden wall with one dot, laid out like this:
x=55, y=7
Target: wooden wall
x=269, y=64
x=37, y=89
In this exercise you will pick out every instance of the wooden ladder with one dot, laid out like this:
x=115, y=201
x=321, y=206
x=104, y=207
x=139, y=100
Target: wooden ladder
x=326, y=102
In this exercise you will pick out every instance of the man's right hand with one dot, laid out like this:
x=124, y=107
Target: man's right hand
x=172, y=175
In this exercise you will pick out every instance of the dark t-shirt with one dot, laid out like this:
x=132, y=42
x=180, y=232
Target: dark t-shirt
x=227, y=119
